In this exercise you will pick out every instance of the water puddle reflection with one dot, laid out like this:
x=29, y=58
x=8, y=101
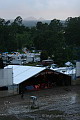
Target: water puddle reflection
x=73, y=99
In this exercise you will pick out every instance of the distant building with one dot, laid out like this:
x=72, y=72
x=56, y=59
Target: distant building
x=19, y=59
x=47, y=62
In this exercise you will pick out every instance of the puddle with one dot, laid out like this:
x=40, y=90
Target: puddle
x=73, y=99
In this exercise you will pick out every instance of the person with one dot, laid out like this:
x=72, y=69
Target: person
x=22, y=95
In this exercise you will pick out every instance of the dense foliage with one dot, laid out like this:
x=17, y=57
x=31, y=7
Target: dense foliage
x=60, y=41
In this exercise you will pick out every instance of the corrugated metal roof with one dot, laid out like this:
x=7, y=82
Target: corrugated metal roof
x=22, y=73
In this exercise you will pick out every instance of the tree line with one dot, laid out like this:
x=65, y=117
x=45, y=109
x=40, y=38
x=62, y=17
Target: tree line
x=57, y=40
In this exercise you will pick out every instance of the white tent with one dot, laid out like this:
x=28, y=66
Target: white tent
x=68, y=63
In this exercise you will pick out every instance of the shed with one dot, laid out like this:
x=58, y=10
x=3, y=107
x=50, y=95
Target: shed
x=35, y=78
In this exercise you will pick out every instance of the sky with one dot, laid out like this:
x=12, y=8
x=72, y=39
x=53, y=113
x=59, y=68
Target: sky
x=47, y=9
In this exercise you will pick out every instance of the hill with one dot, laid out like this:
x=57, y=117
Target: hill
x=31, y=23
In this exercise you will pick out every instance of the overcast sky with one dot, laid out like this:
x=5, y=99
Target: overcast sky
x=47, y=9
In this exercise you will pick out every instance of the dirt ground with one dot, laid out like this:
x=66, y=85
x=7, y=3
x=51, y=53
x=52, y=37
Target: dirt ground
x=58, y=103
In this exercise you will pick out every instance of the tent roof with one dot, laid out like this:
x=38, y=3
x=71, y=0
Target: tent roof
x=65, y=70
x=68, y=63
x=22, y=73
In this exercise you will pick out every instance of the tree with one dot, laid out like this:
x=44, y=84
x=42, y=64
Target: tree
x=44, y=55
x=72, y=31
x=18, y=20
x=72, y=36
x=24, y=40
x=2, y=21
x=53, y=39
x=55, y=25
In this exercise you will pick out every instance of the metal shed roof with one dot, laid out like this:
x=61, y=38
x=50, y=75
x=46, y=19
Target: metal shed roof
x=22, y=73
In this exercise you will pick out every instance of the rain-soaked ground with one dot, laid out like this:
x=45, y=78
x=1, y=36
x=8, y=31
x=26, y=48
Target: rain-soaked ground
x=59, y=103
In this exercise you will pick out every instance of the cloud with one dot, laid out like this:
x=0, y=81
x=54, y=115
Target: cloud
x=40, y=8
